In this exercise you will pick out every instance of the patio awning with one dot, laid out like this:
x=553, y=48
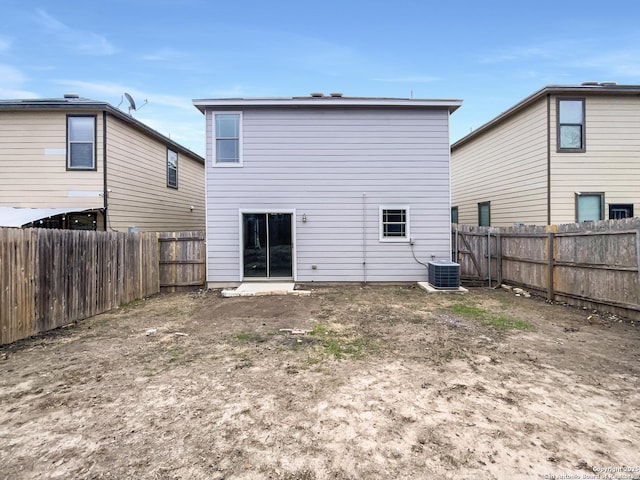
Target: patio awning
x=17, y=217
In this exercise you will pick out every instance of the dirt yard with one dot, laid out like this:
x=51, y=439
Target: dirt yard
x=386, y=383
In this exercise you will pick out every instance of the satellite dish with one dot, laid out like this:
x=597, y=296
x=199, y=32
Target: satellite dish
x=132, y=103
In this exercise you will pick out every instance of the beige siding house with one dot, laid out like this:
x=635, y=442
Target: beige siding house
x=79, y=163
x=565, y=154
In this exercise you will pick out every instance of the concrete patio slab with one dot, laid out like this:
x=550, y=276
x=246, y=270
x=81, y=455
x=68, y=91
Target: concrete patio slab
x=426, y=286
x=250, y=289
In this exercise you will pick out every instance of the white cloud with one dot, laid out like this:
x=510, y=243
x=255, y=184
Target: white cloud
x=85, y=42
x=12, y=83
x=11, y=75
x=5, y=44
x=163, y=55
x=408, y=79
x=115, y=90
x=519, y=53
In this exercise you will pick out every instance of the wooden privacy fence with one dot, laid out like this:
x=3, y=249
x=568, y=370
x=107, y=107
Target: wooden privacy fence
x=593, y=264
x=49, y=278
x=182, y=260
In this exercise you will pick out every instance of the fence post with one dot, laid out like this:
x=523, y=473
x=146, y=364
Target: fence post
x=551, y=229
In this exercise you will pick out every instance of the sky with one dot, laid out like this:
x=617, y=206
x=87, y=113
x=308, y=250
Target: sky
x=489, y=54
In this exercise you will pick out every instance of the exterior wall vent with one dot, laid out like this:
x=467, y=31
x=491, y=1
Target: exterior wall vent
x=71, y=95
x=444, y=274
x=336, y=94
x=317, y=94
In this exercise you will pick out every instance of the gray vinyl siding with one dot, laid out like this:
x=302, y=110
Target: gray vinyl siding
x=336, y=166
x=506, y=166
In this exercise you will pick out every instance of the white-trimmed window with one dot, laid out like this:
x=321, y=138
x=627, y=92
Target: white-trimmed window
x=172, y=169
x=227, y=139
x=81, y=142
x=394, y=223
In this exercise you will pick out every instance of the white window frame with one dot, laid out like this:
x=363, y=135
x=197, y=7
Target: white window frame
x=215, y=143
x=407, y=231
x=70, y=142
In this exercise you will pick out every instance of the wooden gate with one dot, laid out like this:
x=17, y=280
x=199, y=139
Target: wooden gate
x=182, y=260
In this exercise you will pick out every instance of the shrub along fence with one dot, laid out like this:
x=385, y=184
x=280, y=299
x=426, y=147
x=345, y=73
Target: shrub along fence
x=50, y=278
x=592, y=264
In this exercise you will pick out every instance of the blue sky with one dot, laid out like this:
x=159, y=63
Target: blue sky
x=489, y=54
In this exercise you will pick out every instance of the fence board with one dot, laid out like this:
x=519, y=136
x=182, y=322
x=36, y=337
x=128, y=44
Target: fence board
x=594, y=264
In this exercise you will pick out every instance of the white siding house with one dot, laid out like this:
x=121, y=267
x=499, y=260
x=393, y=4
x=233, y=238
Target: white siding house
x=326, y=188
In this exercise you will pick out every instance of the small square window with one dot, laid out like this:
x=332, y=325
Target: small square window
x=394, y=224
x=172, y=169
x=454, y=214
x=81, y=142
x=589, y=207
x=618, y=211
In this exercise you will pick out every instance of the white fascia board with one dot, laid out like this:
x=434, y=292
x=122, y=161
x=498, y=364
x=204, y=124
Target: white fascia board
x=451, y=104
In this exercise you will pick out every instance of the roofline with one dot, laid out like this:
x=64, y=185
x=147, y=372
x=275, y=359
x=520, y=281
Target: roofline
x=46, y=104
x=327, y=101
x=605, y=88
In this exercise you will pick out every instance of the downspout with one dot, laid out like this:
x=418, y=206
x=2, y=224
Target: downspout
x=364, y=236
x=105, y=192
x=489, y=255
x=548, y=159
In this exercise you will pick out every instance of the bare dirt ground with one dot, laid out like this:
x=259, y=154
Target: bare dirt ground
x=390, y=383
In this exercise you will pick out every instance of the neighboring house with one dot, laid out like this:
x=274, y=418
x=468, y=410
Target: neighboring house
x=326, y=188
x=83, y=164
x=565, y=154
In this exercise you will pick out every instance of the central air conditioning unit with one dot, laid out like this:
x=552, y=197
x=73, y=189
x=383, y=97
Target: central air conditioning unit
x=444, y=274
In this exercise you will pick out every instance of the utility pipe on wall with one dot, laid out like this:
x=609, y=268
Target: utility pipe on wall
x=364, y=236
x=489, y=255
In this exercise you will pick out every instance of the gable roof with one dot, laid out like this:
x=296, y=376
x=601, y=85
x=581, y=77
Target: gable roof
x=587, y=88
x=333, y=100
x=79, y=103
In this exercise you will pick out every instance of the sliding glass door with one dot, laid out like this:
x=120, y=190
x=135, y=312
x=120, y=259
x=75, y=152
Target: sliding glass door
x=267, y=245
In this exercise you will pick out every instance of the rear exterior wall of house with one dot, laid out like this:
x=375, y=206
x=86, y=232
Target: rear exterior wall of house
x=334, y=169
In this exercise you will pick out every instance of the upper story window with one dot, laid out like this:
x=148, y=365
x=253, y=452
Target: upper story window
x=81, y=142
x=394, y=224
x=571, y=125
x=228, y=139
x=172, y=169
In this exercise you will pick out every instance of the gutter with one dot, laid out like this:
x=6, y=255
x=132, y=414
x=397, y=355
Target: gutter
x=105, y=191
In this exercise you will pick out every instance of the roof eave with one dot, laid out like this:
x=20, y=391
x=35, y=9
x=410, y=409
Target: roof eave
x=296, y=102
x=104, y=106
x=549, y=90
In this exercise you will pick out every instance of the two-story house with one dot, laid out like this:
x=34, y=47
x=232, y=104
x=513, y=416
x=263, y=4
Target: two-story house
x=326, y=188
x=83, y=164
x=562, y=155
